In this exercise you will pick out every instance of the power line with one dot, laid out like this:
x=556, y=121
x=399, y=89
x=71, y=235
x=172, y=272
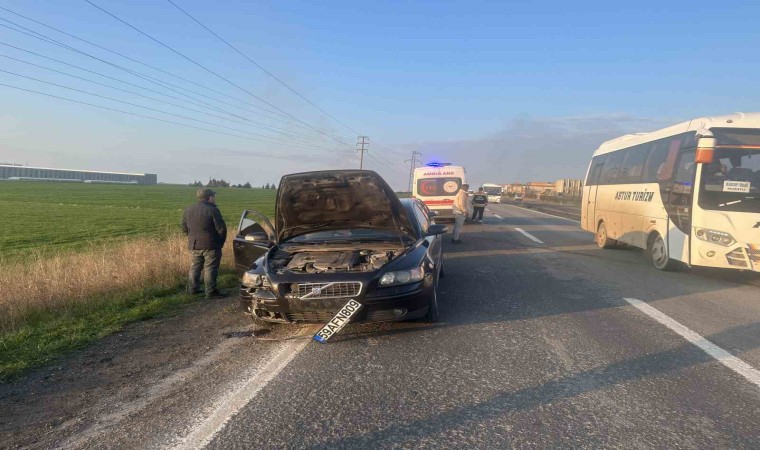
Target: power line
x=261, y=125
x=147, y=77
x=177, y=52
x=144, y=77
x=126, y=112
x=203, y=105
x=134, y=93
x=262, y=67
x=249, y=122
x=273, y=141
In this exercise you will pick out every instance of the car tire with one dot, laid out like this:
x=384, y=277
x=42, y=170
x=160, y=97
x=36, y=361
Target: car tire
x=658, y=254
x=603, y=240
x=432, y=313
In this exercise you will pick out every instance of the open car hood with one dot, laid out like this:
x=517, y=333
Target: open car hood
x=337, y=200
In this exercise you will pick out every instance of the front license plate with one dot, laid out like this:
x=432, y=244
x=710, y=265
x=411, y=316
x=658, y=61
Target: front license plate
x=338, y=322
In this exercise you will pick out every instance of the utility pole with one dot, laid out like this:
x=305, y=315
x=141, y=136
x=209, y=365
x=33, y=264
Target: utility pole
x=362, y=145
x=412, y=166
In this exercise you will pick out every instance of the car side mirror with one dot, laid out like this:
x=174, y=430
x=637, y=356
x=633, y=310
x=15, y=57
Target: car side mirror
x=432, y=213
x=436, y=229
x=257, y=237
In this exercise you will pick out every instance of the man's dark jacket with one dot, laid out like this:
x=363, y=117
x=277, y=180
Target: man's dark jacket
x=479, y=200
x=204, y=226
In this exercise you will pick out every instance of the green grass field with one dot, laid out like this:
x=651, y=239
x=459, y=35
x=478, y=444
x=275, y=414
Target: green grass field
x=49, y=218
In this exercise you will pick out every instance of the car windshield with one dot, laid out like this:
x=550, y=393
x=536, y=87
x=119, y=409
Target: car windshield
x=732, y=181
x=345, y=234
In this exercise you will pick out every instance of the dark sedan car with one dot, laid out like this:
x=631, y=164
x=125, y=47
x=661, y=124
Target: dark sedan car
x=339, y=235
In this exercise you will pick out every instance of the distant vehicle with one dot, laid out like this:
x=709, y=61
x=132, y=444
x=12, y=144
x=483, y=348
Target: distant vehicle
x=339, y=235
x=688, y=194
x=494, y=192
x=518, y=197
x=436, y=184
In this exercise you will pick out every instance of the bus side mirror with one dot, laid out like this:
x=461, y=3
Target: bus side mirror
x=705, y=150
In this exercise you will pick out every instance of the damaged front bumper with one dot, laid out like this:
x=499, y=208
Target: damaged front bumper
x=388, y=304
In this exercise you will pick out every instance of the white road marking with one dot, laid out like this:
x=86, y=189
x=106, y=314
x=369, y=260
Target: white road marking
x=529, y=236
x=498, y=216
x=162, y=389
x=546, y=214
x=232, y=403
x=722, y=356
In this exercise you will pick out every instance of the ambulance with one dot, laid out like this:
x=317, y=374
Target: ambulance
x=436, y=184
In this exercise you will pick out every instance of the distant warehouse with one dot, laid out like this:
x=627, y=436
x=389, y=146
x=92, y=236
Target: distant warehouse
x=26, y=173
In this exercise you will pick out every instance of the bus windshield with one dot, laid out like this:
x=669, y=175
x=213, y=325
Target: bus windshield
x=492, y=190
x=732, y=181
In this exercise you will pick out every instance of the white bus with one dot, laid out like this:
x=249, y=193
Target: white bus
x=688, y=194
x=436, y=184
x=493, y=191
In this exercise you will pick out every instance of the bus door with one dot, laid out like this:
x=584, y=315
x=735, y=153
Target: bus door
x=680, y=206
x=593, y=185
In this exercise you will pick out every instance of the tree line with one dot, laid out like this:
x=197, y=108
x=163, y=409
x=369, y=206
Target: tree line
x=222, y=183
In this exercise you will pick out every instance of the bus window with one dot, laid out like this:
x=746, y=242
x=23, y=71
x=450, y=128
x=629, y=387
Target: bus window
x=611, y=168
x=657, y=156
x=596, y=170
x=633, y=164
x=665, y=171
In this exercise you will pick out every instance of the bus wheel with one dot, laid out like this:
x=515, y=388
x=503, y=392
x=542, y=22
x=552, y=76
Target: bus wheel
x=602, y=239
x=658, y=251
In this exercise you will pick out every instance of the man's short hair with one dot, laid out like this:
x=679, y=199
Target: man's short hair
x=465, y=186
x=204, y=194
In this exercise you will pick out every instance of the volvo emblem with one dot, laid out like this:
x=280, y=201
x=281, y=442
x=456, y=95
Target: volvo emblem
x=316, y=291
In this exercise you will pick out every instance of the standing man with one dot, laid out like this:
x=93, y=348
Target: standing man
x=479, y=202
x=461, y=210
x=206, y=232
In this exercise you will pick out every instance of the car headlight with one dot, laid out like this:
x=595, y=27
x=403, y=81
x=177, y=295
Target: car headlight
x=251, y=279
x=714, y=237
x=402, y=277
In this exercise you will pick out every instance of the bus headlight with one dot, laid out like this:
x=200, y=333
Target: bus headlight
x=714, y=237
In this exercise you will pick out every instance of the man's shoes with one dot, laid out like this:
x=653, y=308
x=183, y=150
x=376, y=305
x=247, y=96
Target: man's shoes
x=216, y=294
x=194, y=291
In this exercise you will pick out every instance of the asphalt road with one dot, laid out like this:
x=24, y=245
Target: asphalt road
x=537, y=347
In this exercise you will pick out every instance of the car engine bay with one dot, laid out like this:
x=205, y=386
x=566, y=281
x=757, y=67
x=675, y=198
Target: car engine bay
x=331, y=261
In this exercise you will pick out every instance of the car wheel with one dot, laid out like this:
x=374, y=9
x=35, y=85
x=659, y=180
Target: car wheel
x=658, y=252
x=603, y=240
x=432, y=314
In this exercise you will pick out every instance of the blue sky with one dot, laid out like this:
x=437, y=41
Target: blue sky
x=510, y=90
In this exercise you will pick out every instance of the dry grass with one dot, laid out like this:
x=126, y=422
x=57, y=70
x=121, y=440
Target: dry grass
x=43, y=284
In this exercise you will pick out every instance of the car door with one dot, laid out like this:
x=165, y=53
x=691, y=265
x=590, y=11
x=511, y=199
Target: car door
x=248, y=245
x=435, y=248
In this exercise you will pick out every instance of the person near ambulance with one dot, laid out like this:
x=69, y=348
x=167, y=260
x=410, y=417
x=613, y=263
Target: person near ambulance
x=479, y=203
x=461, y=207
